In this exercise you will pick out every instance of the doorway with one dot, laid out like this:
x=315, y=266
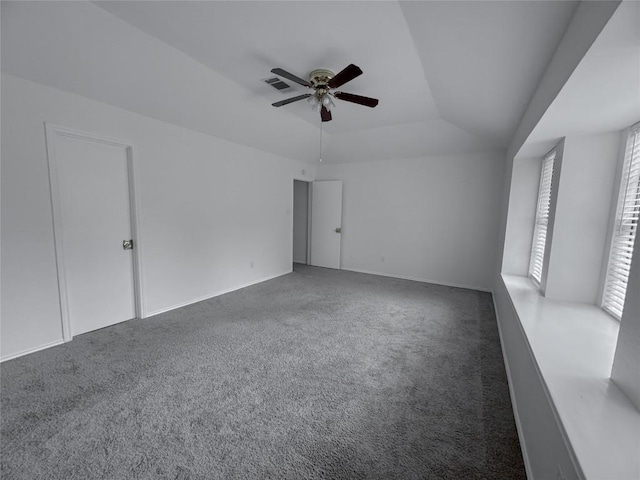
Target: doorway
x=301, y=222
x=94, y=228
x=326, y=223
x=317, y=223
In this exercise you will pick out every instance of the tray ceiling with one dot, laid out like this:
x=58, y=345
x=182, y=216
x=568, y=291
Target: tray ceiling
x=452, y=77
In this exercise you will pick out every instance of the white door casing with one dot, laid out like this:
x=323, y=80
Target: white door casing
x=326, y=223
x=94, y=211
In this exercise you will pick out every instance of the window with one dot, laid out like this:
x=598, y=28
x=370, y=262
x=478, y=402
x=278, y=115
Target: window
x=625, y=227
x=542, y=219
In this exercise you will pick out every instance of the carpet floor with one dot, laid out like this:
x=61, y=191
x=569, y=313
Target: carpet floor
x=319, y=374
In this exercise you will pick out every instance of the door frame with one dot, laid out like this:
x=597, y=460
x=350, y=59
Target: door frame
x=309, y=183
x=51, y=131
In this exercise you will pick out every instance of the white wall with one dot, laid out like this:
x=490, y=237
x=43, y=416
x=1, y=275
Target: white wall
x=208, y=208
x=581, y=211
x=432, y=219
x=300, y=220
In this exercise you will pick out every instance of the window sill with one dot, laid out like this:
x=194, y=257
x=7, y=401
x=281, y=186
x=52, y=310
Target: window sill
x=573, y=346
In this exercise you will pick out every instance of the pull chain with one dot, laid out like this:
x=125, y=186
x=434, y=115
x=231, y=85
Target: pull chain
x=320, y=156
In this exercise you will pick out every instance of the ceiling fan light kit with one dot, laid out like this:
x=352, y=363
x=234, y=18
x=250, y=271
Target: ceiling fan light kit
x=322, y=82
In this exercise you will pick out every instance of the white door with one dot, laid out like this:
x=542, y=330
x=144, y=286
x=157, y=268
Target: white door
x=94, y=218
x=326, y=223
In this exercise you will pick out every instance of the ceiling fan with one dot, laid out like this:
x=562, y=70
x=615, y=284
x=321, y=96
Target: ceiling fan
x=323, y=82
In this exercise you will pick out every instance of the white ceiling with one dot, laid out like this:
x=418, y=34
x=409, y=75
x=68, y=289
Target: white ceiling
x=244, y=40
x=452, y=77
x=603, y=92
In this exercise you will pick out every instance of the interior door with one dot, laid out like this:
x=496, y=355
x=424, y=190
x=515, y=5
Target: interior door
x=95, y=212
x=326, y=223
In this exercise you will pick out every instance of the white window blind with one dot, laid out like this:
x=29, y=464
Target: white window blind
x=542, y=218
x=626, y=226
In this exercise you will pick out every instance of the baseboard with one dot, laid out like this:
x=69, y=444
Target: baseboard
x=512, y=395
x=216, y=294
x=416, y=279
x=32, y=350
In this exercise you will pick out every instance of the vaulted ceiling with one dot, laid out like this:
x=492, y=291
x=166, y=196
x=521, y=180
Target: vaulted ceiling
x=452, y=77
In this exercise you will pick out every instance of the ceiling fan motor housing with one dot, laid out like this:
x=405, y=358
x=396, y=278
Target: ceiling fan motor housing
x=319, y=79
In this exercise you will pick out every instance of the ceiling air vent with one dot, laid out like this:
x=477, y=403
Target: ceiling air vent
x=278, y=84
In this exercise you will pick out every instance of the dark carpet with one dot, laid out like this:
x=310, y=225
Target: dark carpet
x=316, y=374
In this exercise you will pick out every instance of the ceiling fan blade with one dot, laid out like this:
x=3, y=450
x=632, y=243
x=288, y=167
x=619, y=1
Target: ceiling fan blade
x=346, y=75
x=359, y=99
x=291, y=76
x=291, y=100
x=325, y=114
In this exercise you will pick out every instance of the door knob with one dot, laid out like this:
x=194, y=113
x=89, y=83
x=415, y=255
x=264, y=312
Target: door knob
x=338, y=230
x=127, y=244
